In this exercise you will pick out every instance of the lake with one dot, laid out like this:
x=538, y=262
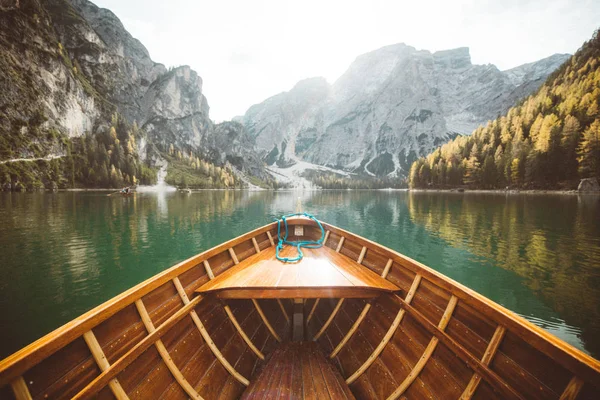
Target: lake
x=62, y=254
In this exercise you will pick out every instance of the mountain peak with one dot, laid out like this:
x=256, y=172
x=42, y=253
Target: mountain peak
x=454, y=58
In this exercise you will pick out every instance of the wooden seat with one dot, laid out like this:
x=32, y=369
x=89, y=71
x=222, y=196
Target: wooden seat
x=298, y=370
x=321, y=273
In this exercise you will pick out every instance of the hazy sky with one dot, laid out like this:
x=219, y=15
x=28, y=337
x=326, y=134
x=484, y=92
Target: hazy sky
x=246, y=51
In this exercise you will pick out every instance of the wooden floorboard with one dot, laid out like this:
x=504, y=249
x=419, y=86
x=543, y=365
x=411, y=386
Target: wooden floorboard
x=298, y=370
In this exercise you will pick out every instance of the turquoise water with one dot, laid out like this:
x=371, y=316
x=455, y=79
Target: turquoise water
x=62, y=254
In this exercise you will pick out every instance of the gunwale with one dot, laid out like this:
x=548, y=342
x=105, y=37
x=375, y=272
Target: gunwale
x=580, y=364
x=17, y=363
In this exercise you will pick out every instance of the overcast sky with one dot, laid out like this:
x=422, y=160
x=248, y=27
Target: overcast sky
x=246, y=51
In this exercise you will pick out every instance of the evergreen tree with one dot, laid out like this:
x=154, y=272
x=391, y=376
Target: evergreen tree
x=473, y=172
x=550, y=140
x=589, y=151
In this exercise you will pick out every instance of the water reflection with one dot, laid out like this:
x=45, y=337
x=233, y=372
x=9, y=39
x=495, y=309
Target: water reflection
x=552, y=242
x=64, y=253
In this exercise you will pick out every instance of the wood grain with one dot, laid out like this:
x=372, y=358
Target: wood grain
x=103, y=364
x=414, y=373
x=266, y=320
x=320, y=269
x=328, y=321
x=104, y=378
x=298, y=370
x=488, y=355
x=20, y=389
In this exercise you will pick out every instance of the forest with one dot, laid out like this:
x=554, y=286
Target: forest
x=549, y=141
x=106, y=159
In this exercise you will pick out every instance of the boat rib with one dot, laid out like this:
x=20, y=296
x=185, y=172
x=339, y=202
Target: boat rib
x=388, y=335
x=414, y=373
x=164, y=353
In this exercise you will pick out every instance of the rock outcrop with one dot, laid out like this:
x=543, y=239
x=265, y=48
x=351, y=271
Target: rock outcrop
x=391, y=106
x=589, y=185
x=69, y=65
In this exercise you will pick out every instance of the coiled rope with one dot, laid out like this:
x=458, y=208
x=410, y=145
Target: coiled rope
x=308, y=244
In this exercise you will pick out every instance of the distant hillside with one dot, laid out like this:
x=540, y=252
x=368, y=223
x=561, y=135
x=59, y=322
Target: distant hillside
x=82, y=104
x=549, y=141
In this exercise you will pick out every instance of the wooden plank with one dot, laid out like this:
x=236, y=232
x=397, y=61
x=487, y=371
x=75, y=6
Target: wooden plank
x=312, y=311
x=216, y=351
x=255, y=244
x=285, y=314
x=448, y=313
x=20, y=389
x=572, y=389
x=181, y=290
x=320, y=269
x=488, y=355
x=414, y=373
x=326, y=237
x=351, y=331
x=291, y=293
x=265, y=320
x=270, y=238
x=98, y=354
x=185, y=385
x=362, y=255
x=104, y=378
x=388, y=335
x=162, y=350
x=234, y=321
x=233, y=256
x=19, y=362
x=486, y=373
x=413, y=289
x=387, y=268
x=340, y=244
x=245, y=337
x=331, y=317
x=208, y=269
x=362, y=315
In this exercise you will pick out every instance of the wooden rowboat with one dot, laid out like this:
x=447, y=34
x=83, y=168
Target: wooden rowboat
x=352, y=319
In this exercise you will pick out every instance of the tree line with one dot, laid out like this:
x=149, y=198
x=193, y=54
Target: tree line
x=549, y=141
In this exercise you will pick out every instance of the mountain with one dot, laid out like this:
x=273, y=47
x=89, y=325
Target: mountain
x=391, y=106
x=79, y=94
x=549, y=141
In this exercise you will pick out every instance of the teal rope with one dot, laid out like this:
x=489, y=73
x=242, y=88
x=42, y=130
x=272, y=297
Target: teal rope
x=309, y=244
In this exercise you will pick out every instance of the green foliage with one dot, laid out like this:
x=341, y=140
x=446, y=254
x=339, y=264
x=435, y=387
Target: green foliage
x=100, y=160
x=550, y=140
x=188, y=170
x=328, y=180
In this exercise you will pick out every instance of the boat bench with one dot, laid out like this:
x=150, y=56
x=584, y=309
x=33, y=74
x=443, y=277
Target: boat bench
x=298, y=370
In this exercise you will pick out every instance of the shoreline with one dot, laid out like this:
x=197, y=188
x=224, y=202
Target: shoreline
x=505, y=191
x=455, y=191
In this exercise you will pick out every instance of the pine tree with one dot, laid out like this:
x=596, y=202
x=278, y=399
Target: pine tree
x=473, y=171
x=569, y=141
x=515, y=173
x=589, y=151
x=488, y=172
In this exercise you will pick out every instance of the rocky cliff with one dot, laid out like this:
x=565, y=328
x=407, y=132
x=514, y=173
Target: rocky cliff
x=69, y=66
x=390, y=106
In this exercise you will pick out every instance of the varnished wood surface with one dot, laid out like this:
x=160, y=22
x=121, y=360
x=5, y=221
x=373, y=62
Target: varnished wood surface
x=321, y=273
x=481, y=350
x=17, y=363
x=298, y=371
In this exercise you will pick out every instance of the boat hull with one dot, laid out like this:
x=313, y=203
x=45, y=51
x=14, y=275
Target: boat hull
x=432, y=337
